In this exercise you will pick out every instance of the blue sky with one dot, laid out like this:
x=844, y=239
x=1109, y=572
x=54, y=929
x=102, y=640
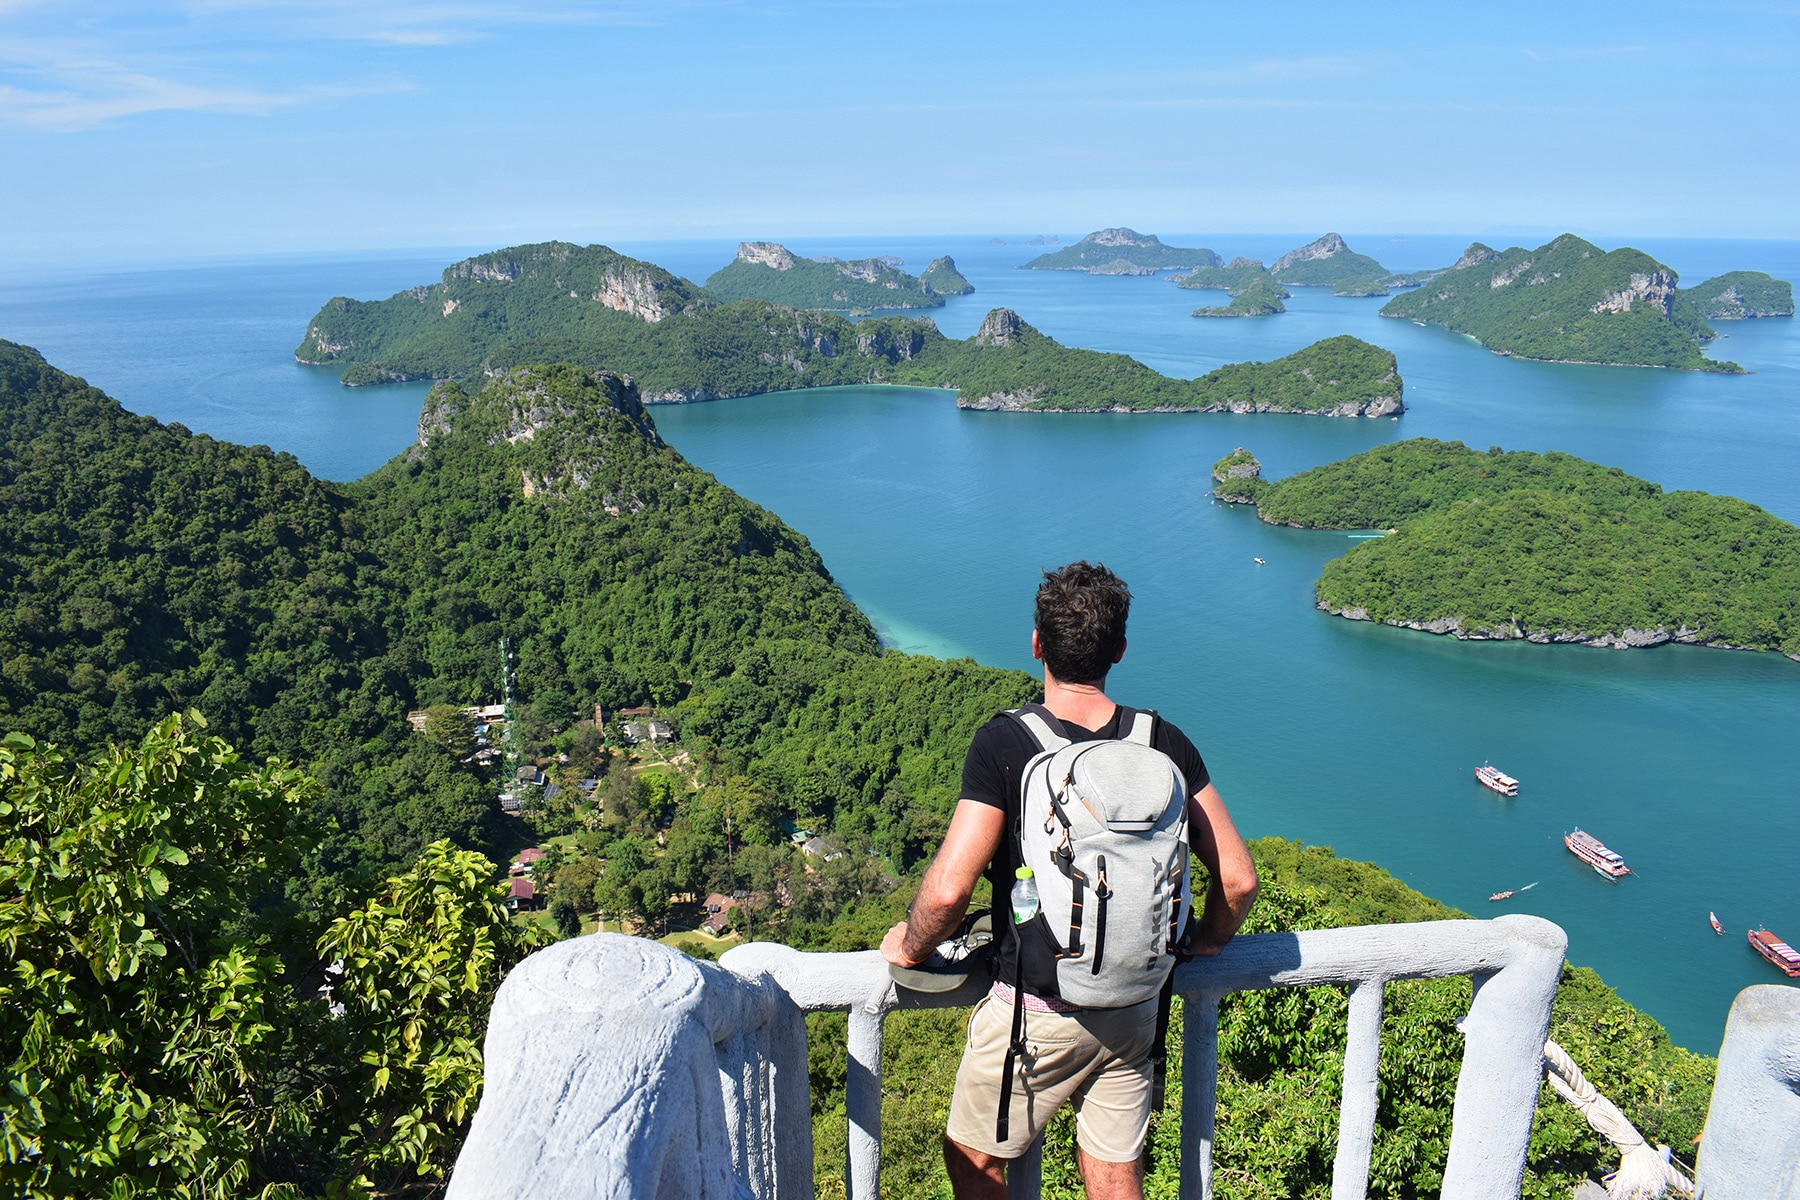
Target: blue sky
x=143, y=131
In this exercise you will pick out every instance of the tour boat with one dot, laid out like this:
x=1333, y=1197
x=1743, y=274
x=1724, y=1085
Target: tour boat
x=1259, y=562
x=1590, y=850
x=1785, y=958
x=1506, y=895
x=1498, y=780
x=1713, y=919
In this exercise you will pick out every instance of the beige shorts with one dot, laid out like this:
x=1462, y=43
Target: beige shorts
x=1098, y=1057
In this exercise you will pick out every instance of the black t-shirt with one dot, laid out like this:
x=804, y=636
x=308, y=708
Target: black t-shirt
x=997, y=757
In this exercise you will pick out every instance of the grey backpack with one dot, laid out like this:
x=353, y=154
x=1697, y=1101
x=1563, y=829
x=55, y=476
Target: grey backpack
x=1103, y=826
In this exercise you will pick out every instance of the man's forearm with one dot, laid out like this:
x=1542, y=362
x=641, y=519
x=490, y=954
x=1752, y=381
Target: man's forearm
x=1221, y=915
x=929, y=921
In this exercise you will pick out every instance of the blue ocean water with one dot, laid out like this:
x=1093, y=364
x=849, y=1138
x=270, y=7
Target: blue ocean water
x=937, y=522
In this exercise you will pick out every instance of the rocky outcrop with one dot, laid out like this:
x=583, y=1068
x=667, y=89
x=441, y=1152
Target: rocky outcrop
x=767, y=254
x=1654, y=289
x=1476, y=253
x=1002, y=327
x=1120, y=266
x=1624, y=639
x=1121, y=236
x=893, y=345
x=639, y=292
x=1239, y=464
x=1325, y=247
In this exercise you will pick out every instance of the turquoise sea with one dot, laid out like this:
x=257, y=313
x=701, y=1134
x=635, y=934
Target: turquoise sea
x=936, y=521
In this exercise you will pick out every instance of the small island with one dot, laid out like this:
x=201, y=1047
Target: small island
x=1237, y=477
x=1121, y=251
x=1740, y=296
x=942, y=277
x=1010, y=367
x=1253, y=292
x=1541, y=547
x=1566, y=301
x=594, y=308
x=770, y=271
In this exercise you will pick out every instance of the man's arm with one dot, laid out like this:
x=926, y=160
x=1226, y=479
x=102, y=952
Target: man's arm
x=943, y=896
x=1232, y=889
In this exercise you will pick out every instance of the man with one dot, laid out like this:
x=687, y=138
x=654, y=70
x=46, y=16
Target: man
x=1098, y=1058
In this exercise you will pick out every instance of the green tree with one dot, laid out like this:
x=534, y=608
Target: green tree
x=574, y=883
x=565, y=917
x=448, y=727
x=140, y=1004
x=421, y=963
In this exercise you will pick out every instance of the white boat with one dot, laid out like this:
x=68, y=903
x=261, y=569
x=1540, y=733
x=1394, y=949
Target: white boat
x=1498, y=780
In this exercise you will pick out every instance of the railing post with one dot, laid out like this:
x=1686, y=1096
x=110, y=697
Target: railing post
x=1503, y=1063
x=862, y=1103
x=1751, y=1147
x=1199, y=1092
x=1356, y=1114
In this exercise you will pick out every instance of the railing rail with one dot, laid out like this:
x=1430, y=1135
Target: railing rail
x=1515, y=961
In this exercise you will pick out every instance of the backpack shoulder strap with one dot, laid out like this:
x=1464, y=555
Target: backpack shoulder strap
x=1042, y=724
x=1137, y=725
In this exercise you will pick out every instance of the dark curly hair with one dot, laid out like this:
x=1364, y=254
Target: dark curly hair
x=1081, y=611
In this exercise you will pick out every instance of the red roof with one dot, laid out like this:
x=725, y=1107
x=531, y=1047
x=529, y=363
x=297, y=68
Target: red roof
x=530, y=855
x=718, y=902
x=522, y=889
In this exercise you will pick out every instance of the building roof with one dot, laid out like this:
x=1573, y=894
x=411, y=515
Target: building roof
x=719, y=902
x=522, y=889
x=530, y=854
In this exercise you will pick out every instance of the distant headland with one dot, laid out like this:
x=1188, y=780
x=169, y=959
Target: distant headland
x=1121, y=251
x=770, y=271
x=1570, y=301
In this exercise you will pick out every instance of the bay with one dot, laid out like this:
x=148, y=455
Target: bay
x=937, y=522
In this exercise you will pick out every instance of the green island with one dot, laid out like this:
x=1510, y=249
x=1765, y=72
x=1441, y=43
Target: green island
x=1329, y=262
x=1120, y=252
x=589, y=306
x=300, y=891
x=1253, y=293
x=1010, y=367
x=942, y=277
x=1541, y=547
x=1566, y=301
x=770, y=271
x=1741, y=295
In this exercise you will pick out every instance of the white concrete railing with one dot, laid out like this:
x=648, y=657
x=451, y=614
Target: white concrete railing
x=619, y=1068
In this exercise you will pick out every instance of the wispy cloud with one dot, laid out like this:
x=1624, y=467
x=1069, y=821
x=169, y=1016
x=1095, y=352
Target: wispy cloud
x=126, y=94
x=436, y=22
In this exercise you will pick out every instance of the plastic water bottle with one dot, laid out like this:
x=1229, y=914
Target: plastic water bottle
x=1024, y=896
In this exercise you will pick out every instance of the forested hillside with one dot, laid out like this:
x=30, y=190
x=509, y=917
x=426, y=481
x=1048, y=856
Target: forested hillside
x=1567, y=301
x=1543, y=546
x=593, y=308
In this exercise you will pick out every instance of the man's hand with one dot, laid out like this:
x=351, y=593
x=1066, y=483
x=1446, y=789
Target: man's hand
x=1198, y=945
x=893, y=947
